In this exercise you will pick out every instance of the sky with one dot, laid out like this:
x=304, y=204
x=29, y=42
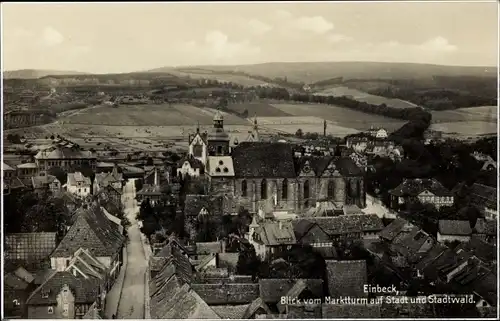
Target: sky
x=125, y=37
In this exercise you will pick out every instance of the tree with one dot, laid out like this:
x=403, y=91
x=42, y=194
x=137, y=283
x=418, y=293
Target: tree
x=248, y=262
x=299, y=133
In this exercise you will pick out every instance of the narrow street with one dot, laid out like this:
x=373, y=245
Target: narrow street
x=131, y=305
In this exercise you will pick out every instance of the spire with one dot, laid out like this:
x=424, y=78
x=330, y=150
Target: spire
x=254, y=222
x=255, y=126
x=198, y=128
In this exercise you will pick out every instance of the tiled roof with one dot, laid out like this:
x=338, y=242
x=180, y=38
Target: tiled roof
x=430, y=256
x=176, y=267
x=92, y=230
x=444, y=263
x=346, y=278
x=394, y=228
x=271, y=290
x=220, y=166
x=344, y=165
x=294, y=292
x=482, y=195
x=195, y=203
x=301, y=227
x=149, y=190
x=487, y=227
x=29, y=247
x=230, y=311
x=181, y=303
x=13, y=282
x=276, y=233
x=481, y=249
x=42, y=181
x=254, y=307
x=228, y=293
x=87, y=264
x=409, y=243
x=64, y=153
x=454, y=227
x=337, y=225
x=77, y=177
x=263, y=160
x=413, y=187
x=108, y=178
x=208, y=247
x=85, y=290
x=303, y=311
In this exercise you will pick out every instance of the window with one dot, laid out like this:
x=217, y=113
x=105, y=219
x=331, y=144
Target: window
x=263, y=189
x=219, y=150
x=226, y=170
x=217, y=170
x=79, y=190
x=66, y=309
x=244, y=188
x=50, y=310
x=331, y=189
x=306, y=193
x=284, y=189
x=45, y=295
x=197, y=150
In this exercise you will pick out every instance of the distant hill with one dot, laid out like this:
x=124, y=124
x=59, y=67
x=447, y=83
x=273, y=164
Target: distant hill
x=36, y=73
x=311, y=72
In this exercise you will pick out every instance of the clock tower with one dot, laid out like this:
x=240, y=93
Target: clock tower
x=218, y=139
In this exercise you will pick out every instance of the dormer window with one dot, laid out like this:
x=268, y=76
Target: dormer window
x=217, y=170
x=45, y=295
x=221, y=162
x=226, y=170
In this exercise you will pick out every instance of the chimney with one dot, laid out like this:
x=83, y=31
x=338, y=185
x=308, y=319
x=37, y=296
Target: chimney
x=156, y=183
x=280, y=225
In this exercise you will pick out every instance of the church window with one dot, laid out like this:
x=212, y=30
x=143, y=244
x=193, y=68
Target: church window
x=197, y=150
x=263, y=189
x=244, y=188
x=217, y=170
x=331, y=189
x=284, y=189
x=226, y=170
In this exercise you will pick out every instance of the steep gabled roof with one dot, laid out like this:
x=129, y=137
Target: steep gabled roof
x=413, y=187
x=92, y=230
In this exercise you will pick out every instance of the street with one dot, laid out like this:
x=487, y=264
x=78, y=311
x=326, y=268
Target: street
x=131, y=305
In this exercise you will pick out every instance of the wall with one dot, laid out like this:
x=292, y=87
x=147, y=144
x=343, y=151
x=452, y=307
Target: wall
x=451, y=238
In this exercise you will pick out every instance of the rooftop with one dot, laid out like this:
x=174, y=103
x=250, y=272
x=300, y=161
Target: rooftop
x=413, y=187
x=454, y=227
x=346, y=278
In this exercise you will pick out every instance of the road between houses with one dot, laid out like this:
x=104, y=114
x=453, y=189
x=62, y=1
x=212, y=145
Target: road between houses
x=131, y=305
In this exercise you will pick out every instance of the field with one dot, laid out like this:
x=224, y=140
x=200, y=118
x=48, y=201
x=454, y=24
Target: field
x=340, y=116
x=311, y=124
x=483, y=113
x=261, y=109
x=365, y=97
x=219, y=76
x=149, y=115
x=470, y=128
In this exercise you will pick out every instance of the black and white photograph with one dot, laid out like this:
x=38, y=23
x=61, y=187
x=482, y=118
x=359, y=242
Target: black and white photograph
x=250, y=160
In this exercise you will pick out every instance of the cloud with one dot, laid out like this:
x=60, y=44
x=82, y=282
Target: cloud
x=259, y=27
x=316, y=24
x=51, y=37
x=283, y=14
x=438, y=44
x=217, y=48
x=336, y=38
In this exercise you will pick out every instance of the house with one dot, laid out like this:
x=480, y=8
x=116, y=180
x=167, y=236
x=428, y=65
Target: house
x=270, y=238
x=27, y=170
x=110, y=194
x=171, y=295
x=149, y=192
x=30, y=250
x=310, y=233
x=272, y=290
x=379, y=133
x=453, y=230
x=94, y=232
x=358, y=144
x=257, y=309
x=113, y=179
x=484, y=251
x=356, y=226
x=346, y=278
x=350, y=311
x=173, y=253
x=424, y=190
x=46, y=183
x=17, y=285
x=78, y=185
x=486, y=230
x=65, y=155
x=65, y=296
x=190, y=166
x=301, y=290
x=484, y=198
x=198, y=207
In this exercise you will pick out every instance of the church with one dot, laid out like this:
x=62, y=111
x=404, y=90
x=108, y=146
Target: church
x=267, y=176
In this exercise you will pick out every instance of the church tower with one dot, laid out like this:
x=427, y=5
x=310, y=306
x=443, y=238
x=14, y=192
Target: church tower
x=218, y=139
x=198, y=146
